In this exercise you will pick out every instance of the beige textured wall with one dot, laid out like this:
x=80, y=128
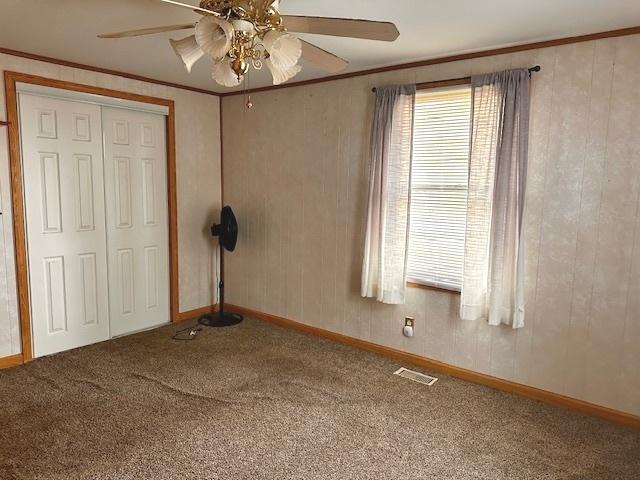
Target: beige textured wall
x=298, y=185
x=198, y=172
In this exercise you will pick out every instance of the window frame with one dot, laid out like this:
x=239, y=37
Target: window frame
x=413, y=283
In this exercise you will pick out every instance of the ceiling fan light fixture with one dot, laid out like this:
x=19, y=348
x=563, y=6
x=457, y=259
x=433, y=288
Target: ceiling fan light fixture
x=243, y=26
x=187, y=50
x=284, y=49
x=224, y=75
x=214, y=36
x=240, y=34
x=281, y=75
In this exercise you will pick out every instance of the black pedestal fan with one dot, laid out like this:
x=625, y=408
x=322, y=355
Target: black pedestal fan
x=227, y=233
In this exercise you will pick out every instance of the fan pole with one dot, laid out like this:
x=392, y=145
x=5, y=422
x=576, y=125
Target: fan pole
x=221, y=282
x=220, y=318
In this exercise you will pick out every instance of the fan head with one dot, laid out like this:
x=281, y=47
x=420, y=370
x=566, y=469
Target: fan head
x=227, y=229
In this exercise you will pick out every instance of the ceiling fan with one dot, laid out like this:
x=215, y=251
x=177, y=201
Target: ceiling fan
x=238, y=34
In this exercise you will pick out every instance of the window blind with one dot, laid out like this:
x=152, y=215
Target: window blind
x=439, y=178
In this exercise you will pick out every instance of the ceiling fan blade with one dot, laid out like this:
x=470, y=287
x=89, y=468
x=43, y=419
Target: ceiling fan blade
x=146, y=31
x=191, y=7
x=323, y=59
x=342, y=27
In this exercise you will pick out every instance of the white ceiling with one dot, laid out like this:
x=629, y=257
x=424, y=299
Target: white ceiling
x=66, y=30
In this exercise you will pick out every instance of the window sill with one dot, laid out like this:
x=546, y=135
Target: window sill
x=425, y=286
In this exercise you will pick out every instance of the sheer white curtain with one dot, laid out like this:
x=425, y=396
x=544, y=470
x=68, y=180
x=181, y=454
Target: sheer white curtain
x=493, y=275
x=384, y=267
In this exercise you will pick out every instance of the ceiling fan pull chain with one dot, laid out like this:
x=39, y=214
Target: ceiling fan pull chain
x=248, y=103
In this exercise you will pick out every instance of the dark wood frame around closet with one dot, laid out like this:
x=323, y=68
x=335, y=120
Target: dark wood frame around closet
x=17, y=198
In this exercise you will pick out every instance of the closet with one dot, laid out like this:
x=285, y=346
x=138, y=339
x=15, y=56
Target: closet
x=95, y=188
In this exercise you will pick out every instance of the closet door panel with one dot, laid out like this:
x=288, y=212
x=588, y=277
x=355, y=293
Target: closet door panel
x=137, y=219
x=64, y=198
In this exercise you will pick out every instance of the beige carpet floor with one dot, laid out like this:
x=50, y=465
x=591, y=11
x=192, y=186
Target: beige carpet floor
x=260, y=402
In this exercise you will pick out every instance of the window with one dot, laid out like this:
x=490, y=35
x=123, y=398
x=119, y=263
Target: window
x=439, y=178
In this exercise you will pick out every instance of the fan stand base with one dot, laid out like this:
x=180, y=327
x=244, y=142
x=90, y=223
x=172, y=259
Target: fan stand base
x=219, y=320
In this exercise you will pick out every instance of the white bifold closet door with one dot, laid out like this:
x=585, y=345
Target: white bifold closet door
x=95, y=187
x=64, y=199
x=137, y=219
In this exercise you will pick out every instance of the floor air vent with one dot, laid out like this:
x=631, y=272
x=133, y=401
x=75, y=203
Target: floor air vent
x=416, y=376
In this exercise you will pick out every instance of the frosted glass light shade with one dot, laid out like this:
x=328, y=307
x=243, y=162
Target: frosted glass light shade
x=188, y=50
x=214, y=36
x=281, y=75
x=284, y=49
x=224, y=75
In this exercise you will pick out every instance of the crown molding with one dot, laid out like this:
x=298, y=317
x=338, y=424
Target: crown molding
x=401, y=66
x=91, y=68
x=451, y=58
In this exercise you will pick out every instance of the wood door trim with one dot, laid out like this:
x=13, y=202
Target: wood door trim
x=19, y=225
x=172, y=185
x=11, y=361
x=545, y=396
x=17, y=197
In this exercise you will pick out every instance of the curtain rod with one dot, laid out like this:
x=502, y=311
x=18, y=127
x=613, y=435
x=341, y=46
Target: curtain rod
x=458, y=81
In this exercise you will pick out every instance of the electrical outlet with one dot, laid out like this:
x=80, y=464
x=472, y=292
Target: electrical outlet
x=407, y=331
